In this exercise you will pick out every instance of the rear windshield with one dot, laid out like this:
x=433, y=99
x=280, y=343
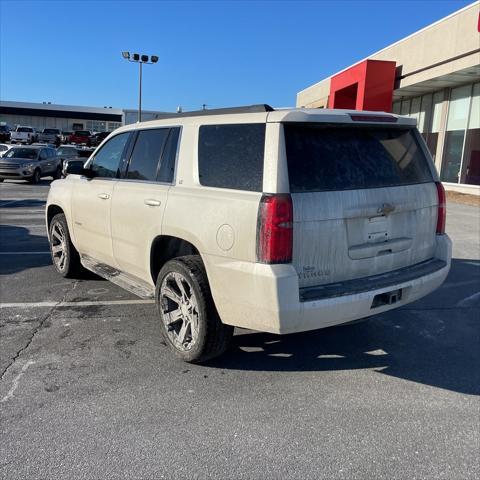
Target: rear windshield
x=24, y=129
x=52, y=131
x=82, y=133
x=322, y=158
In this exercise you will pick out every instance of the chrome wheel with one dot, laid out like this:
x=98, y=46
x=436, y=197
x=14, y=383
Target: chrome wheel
x=58, y=242
x=179, y=311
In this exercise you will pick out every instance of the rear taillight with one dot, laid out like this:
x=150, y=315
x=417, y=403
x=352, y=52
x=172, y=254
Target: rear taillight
x=442, y=209
x=275, y=229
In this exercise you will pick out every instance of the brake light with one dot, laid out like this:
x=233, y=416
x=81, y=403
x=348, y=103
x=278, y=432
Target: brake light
x=442, y=209
x=275, y=229
x=373, y=118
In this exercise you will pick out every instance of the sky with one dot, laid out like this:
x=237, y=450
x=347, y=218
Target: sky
x=216, y=53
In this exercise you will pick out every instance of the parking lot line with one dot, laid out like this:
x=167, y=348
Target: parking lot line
x=75, y=304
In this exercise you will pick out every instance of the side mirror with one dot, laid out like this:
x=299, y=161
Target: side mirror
x=75, y=167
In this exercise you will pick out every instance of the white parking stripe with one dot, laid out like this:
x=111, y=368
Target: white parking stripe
x=76, y=304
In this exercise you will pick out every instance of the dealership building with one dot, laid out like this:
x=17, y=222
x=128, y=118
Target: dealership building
x=432, y=75
x=69, y=117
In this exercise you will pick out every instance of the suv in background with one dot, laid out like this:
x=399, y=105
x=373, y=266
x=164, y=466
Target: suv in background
x=50, y=135
x=23, y=134
x=99, y=137
x=279, y=221
x=29, y=163
x=81, y=137
x=4, y=133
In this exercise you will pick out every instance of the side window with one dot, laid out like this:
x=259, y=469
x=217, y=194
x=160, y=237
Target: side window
x=51, y=153
x=231, y=156
x=43, y=154
x=146, y=154
x=167, y=166
x=106, y=162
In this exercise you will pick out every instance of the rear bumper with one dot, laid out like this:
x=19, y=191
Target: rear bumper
x=267, y=297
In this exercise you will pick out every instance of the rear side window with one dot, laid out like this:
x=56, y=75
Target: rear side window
x=231, y=156
x=167, y=165
x=322, y=158
x=147, y=153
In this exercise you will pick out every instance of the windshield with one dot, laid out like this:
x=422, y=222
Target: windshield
x=28, y=153
x=329, y=157
x=24, y=129
x=51, y=131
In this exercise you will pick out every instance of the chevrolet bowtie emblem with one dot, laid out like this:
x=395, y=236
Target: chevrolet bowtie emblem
x=386, y=209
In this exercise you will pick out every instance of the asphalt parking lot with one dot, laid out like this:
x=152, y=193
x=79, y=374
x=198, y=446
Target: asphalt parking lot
x=88, y=389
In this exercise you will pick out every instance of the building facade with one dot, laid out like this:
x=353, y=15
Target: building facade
x=69, y=117
x=433, y=76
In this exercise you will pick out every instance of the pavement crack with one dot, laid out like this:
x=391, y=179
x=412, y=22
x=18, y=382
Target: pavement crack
x=40, y=325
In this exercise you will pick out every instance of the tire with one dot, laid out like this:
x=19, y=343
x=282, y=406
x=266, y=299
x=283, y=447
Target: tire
x=35, y=177
x=209, y=338
x=59, y=236
x=58, y=173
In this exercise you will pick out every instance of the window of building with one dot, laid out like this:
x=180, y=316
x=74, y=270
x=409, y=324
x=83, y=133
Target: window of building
x=396, y=108
x=96, y=126
x=455, y=133
x=231, y=156
x=146, y=154
x=113, y=126
x=471, y=157
x=106, y=162
x=405, y=108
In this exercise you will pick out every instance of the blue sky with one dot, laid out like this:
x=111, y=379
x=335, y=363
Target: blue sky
x=218, y=53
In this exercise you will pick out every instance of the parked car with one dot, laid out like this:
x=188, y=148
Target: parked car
x=24, y=134
x=4, y=148
x=81, y=137
x=29, y=163
x=99, y=137
x=4, y=133
x=279, y=221
x=50, y=135
x=71, y=152
x=65, y=137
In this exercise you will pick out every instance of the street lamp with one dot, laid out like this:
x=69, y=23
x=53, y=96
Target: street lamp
x=140, y=59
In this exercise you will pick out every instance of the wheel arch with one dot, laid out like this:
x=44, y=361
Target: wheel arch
x=165, y=248
x=53, y=210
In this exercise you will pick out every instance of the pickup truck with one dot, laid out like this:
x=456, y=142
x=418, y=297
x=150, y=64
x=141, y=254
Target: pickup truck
x=50, y=135
x=24, y=134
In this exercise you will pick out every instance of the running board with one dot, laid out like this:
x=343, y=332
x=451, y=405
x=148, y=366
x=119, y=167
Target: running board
x=127, y=282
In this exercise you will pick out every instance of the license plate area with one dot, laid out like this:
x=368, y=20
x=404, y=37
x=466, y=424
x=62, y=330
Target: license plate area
x=387, y=298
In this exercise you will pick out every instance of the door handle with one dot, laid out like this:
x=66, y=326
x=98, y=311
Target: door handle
x=152, y=202
x=103, y=196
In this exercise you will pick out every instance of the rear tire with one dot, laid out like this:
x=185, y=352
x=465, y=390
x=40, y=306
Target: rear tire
x=65, y=257
x=189, y=321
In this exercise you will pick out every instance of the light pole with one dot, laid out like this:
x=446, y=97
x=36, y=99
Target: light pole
x=140, y=59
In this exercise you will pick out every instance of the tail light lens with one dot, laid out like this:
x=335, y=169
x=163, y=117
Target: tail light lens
x=275, y=229
x=442, y=209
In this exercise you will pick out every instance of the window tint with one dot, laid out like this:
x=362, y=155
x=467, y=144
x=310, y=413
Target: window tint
x=167, y=166
x=50, y=153
x=323, y=158
x=106, y=161
x=146, y=154
x=231, y=156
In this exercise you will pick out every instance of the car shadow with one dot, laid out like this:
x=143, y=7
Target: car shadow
x=435, y=341
x=19, y=239
x=25, y=203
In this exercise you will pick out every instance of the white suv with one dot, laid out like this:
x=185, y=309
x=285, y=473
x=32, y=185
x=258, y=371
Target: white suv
x=280, y=221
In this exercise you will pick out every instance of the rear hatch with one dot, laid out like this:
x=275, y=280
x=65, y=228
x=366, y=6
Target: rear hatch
x=364, y=200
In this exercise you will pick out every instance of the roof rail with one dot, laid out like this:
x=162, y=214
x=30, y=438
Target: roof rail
x=218, y=111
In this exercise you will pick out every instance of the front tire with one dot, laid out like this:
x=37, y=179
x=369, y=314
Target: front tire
x=35, y=177
x=189, y=321
x=65, y=257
